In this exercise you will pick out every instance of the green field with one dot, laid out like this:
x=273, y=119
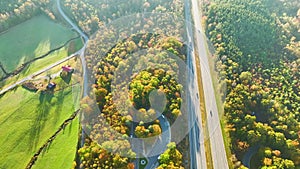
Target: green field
x=75, y=45
x=62, y=150
x=31, y=39
x=1, y=73
x=28, y=119
x=51, y=58
x=35, y=66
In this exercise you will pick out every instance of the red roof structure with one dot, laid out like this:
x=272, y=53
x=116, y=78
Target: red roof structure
x=67, y=68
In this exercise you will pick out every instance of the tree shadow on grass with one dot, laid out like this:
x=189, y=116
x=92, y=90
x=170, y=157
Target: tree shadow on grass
x=66, y=77
x=71, y=126
x=59, y=104
x=11, y=115
x=42, y=111
x=46, y=149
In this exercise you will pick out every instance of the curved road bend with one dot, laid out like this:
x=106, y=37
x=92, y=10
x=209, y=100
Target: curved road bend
x=81, y=54
x=161, y=143
x=74, y=26
x=248, y=155
x=214, y=128
x=81, y=51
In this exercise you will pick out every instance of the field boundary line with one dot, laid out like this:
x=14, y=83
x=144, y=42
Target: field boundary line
x=50, y=140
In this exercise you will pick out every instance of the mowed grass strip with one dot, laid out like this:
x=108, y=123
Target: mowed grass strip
x=61, y=152
x=27, y=120
x=31, y=39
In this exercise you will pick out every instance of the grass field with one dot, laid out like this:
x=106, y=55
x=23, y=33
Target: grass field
x=1, y=73
x=31, y=39
x=27, y=120
x=62, y=150
x=74, y=46
x=35, y=66
x=52, y=58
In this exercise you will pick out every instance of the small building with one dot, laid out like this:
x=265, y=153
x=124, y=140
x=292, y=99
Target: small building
x=30, y=86
x=51, y=85
x=67, y=68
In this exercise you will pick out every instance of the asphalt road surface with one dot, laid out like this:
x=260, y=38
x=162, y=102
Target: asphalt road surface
x=85, y=86
x=196, y=137
x=214, y=128
x=35, y=74
x=80, y=53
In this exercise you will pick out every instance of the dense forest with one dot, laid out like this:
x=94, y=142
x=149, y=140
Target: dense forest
x=112, y=126
x=91, y=14
x=107, y=143
x=257, y=45
x=111, y=54
x=257, y=48
x=171, y=158
x=120, y=117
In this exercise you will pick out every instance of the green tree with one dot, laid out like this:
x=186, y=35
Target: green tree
x=171, y=158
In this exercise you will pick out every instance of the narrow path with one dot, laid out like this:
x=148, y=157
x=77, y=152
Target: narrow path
x=74, y=26
x=23, y=66
x=50, y=140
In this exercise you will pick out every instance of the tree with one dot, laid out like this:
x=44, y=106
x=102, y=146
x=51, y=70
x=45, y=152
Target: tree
x=100, y=96
x=146, y=116
x=245, y=77
x=94, y=156
x=171, y=158
x=140, y=131
x=259, y=77
x=122, y=147
x=152, y=130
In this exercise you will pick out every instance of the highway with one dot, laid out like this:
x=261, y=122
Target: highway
x=214, y=128
x=198, y=159
x=196, y=137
